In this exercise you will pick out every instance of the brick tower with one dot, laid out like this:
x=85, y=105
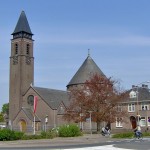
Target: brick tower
x=21, y=65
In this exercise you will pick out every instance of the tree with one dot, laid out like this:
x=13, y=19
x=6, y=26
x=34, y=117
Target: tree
x=1, y=117
x=101, y=96
x=5, y=108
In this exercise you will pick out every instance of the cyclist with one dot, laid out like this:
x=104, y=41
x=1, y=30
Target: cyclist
x=105, y=131
x=137, y=131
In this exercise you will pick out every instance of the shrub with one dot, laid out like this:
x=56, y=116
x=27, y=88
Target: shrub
x=71, y=130
x=54, y=132
x=50, y=133
x=7, y=135
x=43, y=134
x=18, y=135
x=46, y=135
x=123, y=135
x=31, y=137
x=128, y=135
x=146, y=133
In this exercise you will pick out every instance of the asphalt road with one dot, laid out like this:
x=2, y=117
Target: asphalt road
x=94, y=142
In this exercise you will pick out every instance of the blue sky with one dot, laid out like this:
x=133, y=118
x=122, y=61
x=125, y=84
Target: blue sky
x=116, y=31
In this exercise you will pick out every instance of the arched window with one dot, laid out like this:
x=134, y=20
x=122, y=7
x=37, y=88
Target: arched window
x=16, y=49
x=28, y=49
x=30, y=100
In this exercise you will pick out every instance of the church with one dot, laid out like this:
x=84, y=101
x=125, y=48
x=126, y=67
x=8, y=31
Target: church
x=51, y=103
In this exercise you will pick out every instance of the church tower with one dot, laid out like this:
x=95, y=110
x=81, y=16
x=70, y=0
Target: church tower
x=21, y=65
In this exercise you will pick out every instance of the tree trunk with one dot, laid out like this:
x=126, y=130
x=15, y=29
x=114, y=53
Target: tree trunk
x=98, y=126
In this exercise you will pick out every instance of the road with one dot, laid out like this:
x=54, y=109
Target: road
x=85, y=144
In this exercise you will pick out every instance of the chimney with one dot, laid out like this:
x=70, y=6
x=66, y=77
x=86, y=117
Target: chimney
x=134, y=86
x=144, y=86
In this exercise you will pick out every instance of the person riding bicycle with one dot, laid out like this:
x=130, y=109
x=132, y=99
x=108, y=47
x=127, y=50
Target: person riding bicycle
x=105, y=131
x=137, y=131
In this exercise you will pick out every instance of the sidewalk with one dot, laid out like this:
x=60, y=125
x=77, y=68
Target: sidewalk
x=85, y=139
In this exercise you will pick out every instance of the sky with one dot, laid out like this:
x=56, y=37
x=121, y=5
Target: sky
x=117, y=32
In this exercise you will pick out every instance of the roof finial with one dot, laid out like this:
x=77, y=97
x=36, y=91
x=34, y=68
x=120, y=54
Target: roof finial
x=88, y=52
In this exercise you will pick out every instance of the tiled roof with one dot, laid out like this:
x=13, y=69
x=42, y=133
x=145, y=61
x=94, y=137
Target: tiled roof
x=22, y=25
x=29, y=114
x=143, y=94
x=53, y=97
x=87, y=69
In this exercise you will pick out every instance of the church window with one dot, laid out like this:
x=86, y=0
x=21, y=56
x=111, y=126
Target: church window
x=28, y=48
x=16, y=49
x=30, y=100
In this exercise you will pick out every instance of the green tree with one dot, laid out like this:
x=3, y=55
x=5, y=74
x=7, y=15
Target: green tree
x=5, y=109
x=1, y=117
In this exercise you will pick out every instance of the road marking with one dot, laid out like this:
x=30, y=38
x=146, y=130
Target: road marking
x=106, y=147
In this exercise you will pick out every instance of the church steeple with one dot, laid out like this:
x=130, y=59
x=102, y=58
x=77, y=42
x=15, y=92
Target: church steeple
x=21, y=65
x=22, y=28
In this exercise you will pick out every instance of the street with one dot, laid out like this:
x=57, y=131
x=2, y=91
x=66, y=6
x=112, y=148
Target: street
x=128, y=144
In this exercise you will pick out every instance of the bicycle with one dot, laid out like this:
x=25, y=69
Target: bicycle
x=107, y=134
x=138, y=136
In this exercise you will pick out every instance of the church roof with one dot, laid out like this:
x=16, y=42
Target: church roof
x=22, y=25
x=29, y=114
x=53, y=97
x=87, y=69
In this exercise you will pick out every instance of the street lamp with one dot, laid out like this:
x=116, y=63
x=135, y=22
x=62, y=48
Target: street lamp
x=81, y=123
x=46, y=121
x=90, y=121
x=135, y=94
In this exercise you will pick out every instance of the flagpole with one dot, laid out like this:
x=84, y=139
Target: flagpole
x=34, y=125
x=34, y=107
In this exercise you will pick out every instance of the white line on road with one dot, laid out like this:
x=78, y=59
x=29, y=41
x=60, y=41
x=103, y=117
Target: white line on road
x=106, y=147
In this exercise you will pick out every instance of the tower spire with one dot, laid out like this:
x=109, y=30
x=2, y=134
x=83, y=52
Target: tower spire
x=22, y=26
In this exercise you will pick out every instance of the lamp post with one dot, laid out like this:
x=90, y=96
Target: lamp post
x=135, y=94
x=46, y=121
x=90, y=121
x=81, y=123
x=54, y=118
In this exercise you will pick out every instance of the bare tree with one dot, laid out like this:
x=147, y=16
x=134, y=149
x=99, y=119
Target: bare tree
x=100, y=95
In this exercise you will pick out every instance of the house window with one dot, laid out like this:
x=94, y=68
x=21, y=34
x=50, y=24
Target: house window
x=119, y=122
x=119, y=108
x=131, y=107
x=144, y=106
x=28, y=48
x=143, y=121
